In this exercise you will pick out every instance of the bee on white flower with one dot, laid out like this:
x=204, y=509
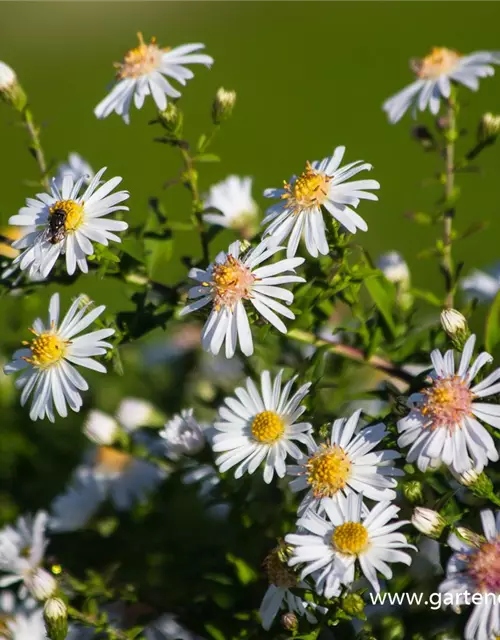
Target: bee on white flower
x=331, y=546
x=262, y=426
x=144, y=71
x=231, y=281
x=321, y=185
x=46, y=363
x=66, y=221
x=75, y=166
x=238, y=210
x=346, y=464
x=442, y=426
x=435, y=74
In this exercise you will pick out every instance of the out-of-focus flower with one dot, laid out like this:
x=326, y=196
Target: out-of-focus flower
x=183, y=435
x=238, y=210
x=100, y=428
x=72, y=509
x=75, y=166
x=223, y=105
x=482, y=285
x=41, y=584
x=142, y=72
x=166, y=627
x=133, y=413
x=394, y=267
x=20, y=621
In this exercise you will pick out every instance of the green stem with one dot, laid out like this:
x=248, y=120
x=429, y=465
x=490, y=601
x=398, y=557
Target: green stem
x=449, y=214
x=36, y=146
x=192, y=181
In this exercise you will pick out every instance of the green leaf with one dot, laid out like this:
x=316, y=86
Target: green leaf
x=215, y=633
x=382, y=299
x=492, y=330
x=244, y=571
x=207, y=157
x=201, y=142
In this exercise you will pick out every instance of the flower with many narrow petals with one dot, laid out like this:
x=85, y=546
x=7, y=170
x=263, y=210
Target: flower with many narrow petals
x=238, y=210
x=231, y=281
x=442, y=426
x=144, y=71
x=46, y=363
x=75, y=166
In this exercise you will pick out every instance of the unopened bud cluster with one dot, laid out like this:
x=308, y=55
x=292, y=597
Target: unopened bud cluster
x=223, y=105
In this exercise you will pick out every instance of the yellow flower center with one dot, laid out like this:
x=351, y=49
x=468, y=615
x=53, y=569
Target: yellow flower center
x=440, y=60
x=267, y=427
x=278, y=573
x=309, y=190
x=46, y=349
x=231, y=282
x=328, y=470
x=446, y=403
x=111, y=460
x=73, y=211
x=350, y=538
x=141, y=60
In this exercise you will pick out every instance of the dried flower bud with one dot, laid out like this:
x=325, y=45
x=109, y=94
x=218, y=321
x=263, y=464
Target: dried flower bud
x=55, y=614
x=428, y=522
x=489, y=127
x=289, y=621
x=413, y=492
x=223, y=105
x=10, y=89
x=455, y=325
x=41, y=584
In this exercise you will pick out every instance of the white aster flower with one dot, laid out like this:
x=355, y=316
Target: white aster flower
x=183, y=435
x=133, y=413
x=394, y=267
x=442, y=427
x=23, y=624
x=143, y=72
x=66, y=222
x=166, y=627
x=100, y=428
x=436, y=72
x=238, y=210
x=46, y=363
x=474, y=568
x=77, y=167
x=230, y=281
x=346, y=464
x=331, y=546
x=22, y=548
x=41, y=584
x=482, y=285
x=262, y=426
x=322, y=184
x=71, y=510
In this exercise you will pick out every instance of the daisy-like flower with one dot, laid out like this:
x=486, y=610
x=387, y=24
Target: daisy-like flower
x=442, y=426
x=230, y=281
x=321, y=185
x=66, y=222
x=474, y=568
x=238, y=210
x=20, y=621
x=435, y=73
x=71, y=510
x=46, y=363
x=346, y=464
x=279, y=594
x=262, y=426
x=77, y=167
x=331, y=546
x=482, y=285
x=142, y=72
x=183, y=435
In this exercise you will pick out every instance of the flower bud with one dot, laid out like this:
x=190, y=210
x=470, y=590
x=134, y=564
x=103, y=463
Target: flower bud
x=100, y=428
x=428, y=522
x=135, y=412
x=489, y=127
x=455, y=325
x=223, y=105
x=171, y=119
x=55, y=614
x=10, y=89
x=41, y=584
x=413, y=492
x=183, y=435
x=353, y=604
x=479, y=483
x=289, y=621
x=471, y=537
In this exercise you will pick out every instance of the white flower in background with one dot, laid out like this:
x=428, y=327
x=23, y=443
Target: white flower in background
x=67, y=222
x=474, y=568
x=7, y=76
x=72, y=509
x=46, y=363
x=331, y=546
x=183, y=435
x=22, y=547
x=482, y=285
x=143, y=72
x=100, y=428
x=436, y=73
x=261, y=426
x=166, y=627
x=346, y=464
x=9, y=235
x=20, y=621
x=238, y=210
x=442, y=427
x=230, y=281
x=279, y=594
x=133, y=413
x=428, y=521
x=321, y=184
x=41, y=584
x=77, y=167
x=394, y=267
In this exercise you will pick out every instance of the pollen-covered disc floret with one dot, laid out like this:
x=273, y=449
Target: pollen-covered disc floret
x=474, y=568
x=232, y=281
x=144, y=71
x=321, y=185
x=261, y=426
x=435, y=74
x=348, y=533
x=66, y=222
x=442, y=426
x=46, y=362
x=345, y=464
